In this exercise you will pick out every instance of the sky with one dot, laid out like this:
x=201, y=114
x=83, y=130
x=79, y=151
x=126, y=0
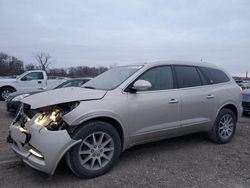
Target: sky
x=109, y=32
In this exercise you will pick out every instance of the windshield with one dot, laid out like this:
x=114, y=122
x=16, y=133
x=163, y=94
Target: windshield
x=72, y=83
x=21, y=75
x=112, y=78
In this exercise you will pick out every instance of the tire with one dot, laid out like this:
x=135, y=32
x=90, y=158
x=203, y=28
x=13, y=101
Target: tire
x=4, y=91
x=225, y=124
x=104, y=156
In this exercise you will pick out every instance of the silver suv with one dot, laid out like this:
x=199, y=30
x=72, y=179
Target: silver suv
x=123, y=107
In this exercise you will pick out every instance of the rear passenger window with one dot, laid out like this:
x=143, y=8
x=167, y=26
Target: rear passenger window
x=204, y=79
x=214, y=76
x=187, y=76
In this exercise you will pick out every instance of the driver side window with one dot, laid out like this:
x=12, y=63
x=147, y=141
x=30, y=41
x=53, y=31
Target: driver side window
x=33, y=76
x=161, y=78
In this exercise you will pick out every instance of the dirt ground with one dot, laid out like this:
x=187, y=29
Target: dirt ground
x=188, y=161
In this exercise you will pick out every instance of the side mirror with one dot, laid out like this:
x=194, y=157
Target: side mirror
x=141, y=85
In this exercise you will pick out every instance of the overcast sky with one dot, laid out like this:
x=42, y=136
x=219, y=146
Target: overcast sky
x=104, y=32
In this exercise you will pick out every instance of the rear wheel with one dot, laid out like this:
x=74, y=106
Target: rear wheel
x=4, y=92
x=224, y=127
x=96, y=154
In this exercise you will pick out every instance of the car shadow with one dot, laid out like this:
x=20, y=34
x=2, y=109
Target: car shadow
x=128, y=160
x=145, y=150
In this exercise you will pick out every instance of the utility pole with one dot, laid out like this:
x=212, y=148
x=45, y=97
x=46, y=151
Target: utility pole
x=246, y=75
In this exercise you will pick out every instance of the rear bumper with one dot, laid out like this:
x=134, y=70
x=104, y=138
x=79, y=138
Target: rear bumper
x=44, y=149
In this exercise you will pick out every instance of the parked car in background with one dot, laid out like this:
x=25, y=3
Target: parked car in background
x=28, y=81
x=238, y=80
x=13, y=101
x=246, y=101
x=244, y=84
x=125, y=106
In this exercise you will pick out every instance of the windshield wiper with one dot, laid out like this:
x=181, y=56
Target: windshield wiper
x=89, y=87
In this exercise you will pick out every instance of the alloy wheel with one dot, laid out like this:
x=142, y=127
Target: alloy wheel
x=226, y=126
x=5, y=93
x=96, y=150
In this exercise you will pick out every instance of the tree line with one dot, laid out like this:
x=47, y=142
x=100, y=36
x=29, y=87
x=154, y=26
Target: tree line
x=11, y=66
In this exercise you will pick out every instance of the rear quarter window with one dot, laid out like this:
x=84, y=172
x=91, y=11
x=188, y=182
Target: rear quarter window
x=215, y=76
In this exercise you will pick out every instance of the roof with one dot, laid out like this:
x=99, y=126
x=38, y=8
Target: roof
x=175, y=62
x=169, y=62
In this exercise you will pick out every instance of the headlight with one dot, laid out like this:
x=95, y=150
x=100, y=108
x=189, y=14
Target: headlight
x=20, y=97
x=51, y=118
x=48, y=119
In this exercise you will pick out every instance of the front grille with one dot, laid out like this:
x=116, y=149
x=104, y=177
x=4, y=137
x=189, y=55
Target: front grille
x=246, y=105
x=22, y=116
x=26, y=108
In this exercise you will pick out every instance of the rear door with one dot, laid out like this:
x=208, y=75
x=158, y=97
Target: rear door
x=219, y=87
x=197, y=99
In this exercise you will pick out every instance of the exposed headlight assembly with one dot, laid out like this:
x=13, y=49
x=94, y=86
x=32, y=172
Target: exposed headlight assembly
x=20, y=97
x=51, y=117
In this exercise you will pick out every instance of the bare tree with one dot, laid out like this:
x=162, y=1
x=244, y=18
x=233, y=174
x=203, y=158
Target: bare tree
x=31, y=66
x=10, y=65
x=43, y=59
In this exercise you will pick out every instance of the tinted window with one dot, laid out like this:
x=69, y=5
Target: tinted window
x=160, y=78
x=33, y=76
x=215, y=76
x=187, y=76
x=204, y=80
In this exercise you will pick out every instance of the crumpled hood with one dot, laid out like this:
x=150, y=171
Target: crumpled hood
x=62, y=95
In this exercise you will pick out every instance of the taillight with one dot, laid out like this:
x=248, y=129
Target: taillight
x=241, y=90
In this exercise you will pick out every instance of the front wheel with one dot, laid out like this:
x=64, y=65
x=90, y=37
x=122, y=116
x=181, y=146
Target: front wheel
x=224, y=127
x=96, y=154
x=4, y=92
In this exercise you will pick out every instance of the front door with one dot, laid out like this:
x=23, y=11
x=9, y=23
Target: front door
x=32, y=81
x=153, y=112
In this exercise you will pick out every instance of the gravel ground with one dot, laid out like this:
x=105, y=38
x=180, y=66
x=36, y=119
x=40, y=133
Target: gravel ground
x=188, y=161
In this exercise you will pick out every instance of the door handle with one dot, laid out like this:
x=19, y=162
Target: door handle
x=210, y=96
x=39, y=82
x=173, y=101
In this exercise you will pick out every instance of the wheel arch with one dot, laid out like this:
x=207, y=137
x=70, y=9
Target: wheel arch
x=110, y=120
x=232, y=107
x=8, y=86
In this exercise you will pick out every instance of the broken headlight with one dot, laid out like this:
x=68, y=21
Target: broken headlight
x=51, y=117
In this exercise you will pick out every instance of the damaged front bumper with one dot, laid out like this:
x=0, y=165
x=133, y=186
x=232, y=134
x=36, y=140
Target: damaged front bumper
x=37, y=146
